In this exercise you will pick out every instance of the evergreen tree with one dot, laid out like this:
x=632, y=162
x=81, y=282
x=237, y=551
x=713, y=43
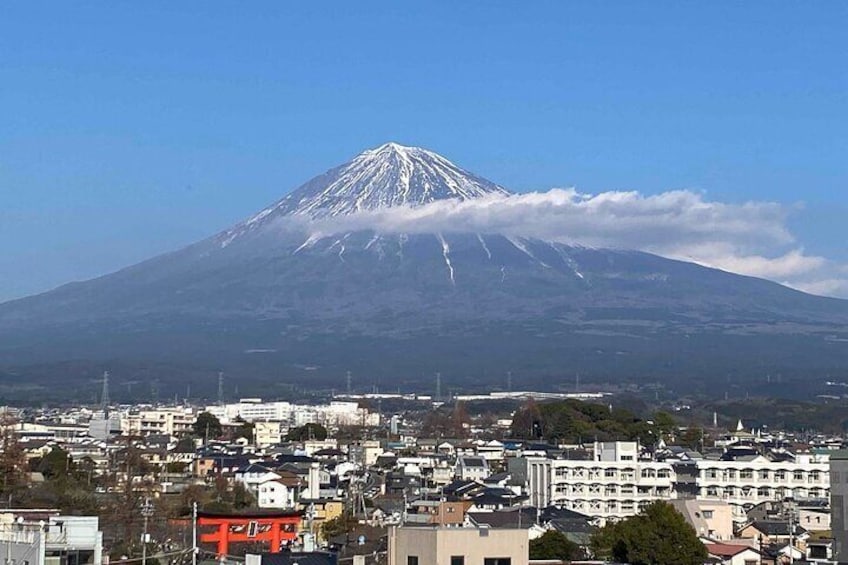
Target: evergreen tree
x=554, y=545
x=659, y=535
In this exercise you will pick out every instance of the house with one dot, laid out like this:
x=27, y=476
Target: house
x=727, y=554
x=770, y=532
x=471, y=469
x=274, y=493
x=253, y=475
x=710, y=519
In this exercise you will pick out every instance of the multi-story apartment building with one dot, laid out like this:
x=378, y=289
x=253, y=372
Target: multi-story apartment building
x=616, y=483
x=746, y=483
x=174, y=421
x=613, y=484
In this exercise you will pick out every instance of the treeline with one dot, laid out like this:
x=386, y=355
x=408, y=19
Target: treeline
x=574, y=421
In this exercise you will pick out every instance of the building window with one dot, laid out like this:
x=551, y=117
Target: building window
x=746, y=474
x=609, y=473
x=764, y=474
x=412, y=560
x=708, y=514
x=457, y=560
x=497, y=561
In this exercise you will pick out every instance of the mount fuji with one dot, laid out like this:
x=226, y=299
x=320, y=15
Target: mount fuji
x=274, y=301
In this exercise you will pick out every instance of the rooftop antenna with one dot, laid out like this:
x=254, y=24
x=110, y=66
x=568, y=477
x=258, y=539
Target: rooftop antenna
x=220, y=388
x=104, y=394
x=348, y=383
x=438, y=386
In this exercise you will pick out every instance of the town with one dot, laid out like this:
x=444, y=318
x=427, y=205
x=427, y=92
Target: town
x=346, y=481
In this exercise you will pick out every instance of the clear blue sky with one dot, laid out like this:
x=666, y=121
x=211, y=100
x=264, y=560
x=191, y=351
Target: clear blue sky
x=132, y=128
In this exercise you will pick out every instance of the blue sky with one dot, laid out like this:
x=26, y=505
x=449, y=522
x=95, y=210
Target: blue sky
x=132, y=128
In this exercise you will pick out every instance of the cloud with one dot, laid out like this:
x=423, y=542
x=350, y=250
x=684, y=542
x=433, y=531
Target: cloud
x=750, y=238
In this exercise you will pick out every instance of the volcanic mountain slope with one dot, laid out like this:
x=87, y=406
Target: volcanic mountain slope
x=269, y=293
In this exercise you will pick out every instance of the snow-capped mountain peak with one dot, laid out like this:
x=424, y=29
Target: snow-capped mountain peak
x=386, y=176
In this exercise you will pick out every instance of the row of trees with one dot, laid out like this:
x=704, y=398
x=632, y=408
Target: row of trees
x=572, y=421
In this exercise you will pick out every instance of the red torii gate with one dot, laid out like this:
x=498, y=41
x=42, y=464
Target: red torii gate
x=271, y=527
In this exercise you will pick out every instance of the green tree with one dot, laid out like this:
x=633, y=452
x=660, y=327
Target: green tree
x=554, y=545
x=207, y=425
x=307, y=432
x=665, y=424
x=245, y=430
x=657, y=535
x=55, y=464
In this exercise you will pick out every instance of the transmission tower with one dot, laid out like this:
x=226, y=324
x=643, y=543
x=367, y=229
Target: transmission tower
x=349, y=389
x=438, y=386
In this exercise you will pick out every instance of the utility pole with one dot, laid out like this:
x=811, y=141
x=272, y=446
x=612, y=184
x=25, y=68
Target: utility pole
x=146, y=512
x=791, y=532
x=194, y=533
x=220, y=388
x=104, y=395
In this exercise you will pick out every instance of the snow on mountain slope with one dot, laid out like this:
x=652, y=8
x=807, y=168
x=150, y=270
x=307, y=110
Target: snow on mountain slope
x=387, y=176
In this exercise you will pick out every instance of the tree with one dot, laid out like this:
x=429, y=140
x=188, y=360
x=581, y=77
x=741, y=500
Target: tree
x=245, y=430
x=339, y=525
x=693, y=438
x=459, y=419
x=658, y=534
x=307, y=432
x=207, y=425
x=665, y=424
x=12, y=458
x=554, y=545
x=56, y=463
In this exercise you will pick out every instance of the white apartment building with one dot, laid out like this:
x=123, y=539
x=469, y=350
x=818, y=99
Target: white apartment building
x=613, y=484
x=334, y=414
x=744, y=484
x=174, y=421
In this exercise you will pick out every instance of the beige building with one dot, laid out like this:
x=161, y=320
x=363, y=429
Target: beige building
x=267, y=433
x=710, y=519
x=440, y=545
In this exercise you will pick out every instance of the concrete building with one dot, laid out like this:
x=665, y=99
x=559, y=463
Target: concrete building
x=613, y=484
x=746, y=483
x=267, y=434
x=57, y=540
x=710, y=519
x=172, y=421
x=839, y=504
x=445, y=545
x=616, y=483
